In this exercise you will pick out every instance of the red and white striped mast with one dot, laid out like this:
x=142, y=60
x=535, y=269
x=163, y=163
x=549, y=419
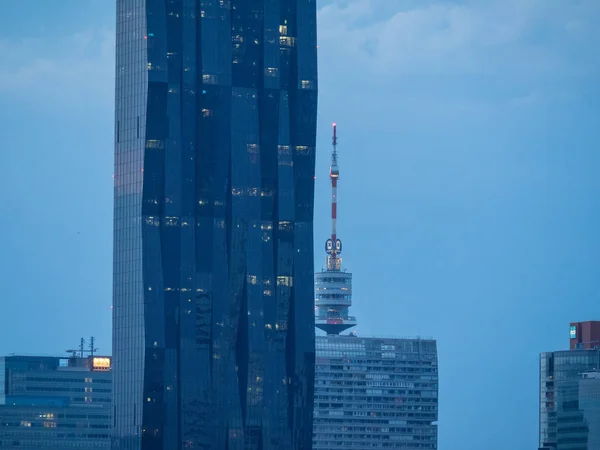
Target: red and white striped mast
x=333, y=287
x=333, y=245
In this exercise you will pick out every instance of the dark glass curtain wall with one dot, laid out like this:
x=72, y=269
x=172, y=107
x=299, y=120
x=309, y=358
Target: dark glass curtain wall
x=215, y=131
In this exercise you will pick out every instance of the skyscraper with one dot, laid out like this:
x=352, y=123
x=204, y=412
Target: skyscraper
x=570, y=393
x=370, y=392
x=215, y=134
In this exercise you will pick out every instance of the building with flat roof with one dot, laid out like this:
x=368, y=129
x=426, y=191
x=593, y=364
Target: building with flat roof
x=375, y=393
x=570, y=396
x=49, y=403
x=584, y=335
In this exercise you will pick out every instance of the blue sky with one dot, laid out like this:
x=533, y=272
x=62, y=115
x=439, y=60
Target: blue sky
x=468, y=199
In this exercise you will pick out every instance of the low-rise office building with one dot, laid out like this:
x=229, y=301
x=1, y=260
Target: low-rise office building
x=50, y=403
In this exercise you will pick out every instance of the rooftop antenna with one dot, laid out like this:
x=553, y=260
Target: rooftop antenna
x=92, y=349
x=81, y=351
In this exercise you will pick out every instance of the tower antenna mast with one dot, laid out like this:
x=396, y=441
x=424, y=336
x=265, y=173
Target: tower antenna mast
x=333, y=287
x=333, y=246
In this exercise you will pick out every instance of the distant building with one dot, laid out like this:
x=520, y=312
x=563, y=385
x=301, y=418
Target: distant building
x=584, y=335
x=370, y=392
x=50, y=403
x=570, y=395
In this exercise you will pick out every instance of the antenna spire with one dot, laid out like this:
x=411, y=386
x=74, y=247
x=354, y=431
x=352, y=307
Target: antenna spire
x=333, y=246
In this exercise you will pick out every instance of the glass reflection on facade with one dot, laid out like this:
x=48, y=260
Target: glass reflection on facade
x=215, y=132
x=570, y=400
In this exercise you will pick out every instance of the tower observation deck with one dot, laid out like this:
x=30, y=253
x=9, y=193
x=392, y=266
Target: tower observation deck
x=333, y=286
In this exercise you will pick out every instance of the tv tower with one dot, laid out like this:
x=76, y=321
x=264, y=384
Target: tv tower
x=333, y=286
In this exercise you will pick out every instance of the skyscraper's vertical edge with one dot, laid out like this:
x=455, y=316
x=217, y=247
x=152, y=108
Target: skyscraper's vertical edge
x=214, y=184
x=303, y=135
x=128, y=291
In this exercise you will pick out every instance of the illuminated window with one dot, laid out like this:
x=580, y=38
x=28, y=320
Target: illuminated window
x=271, y=71
x=171, y=221
x=155, y=144
x=208, y=79
x=285, y=281
x=283, y=30
x=286, y=41
x=285, y=225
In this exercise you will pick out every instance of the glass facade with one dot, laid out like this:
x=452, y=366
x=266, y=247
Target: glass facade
x=373, y=393
x=215, y=132
x=47, y=405
x=570, y=400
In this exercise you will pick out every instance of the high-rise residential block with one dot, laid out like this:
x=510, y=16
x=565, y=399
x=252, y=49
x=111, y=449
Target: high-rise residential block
x=215, y=132
x=373, y=393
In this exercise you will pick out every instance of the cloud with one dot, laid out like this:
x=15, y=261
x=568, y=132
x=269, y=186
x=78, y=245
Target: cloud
x=508, y=37
x=76, y=69
x=437, y=61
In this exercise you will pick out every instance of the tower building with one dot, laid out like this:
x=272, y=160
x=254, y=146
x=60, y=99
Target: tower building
x=213, y=316
x=333, y=286
x=370, y=392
